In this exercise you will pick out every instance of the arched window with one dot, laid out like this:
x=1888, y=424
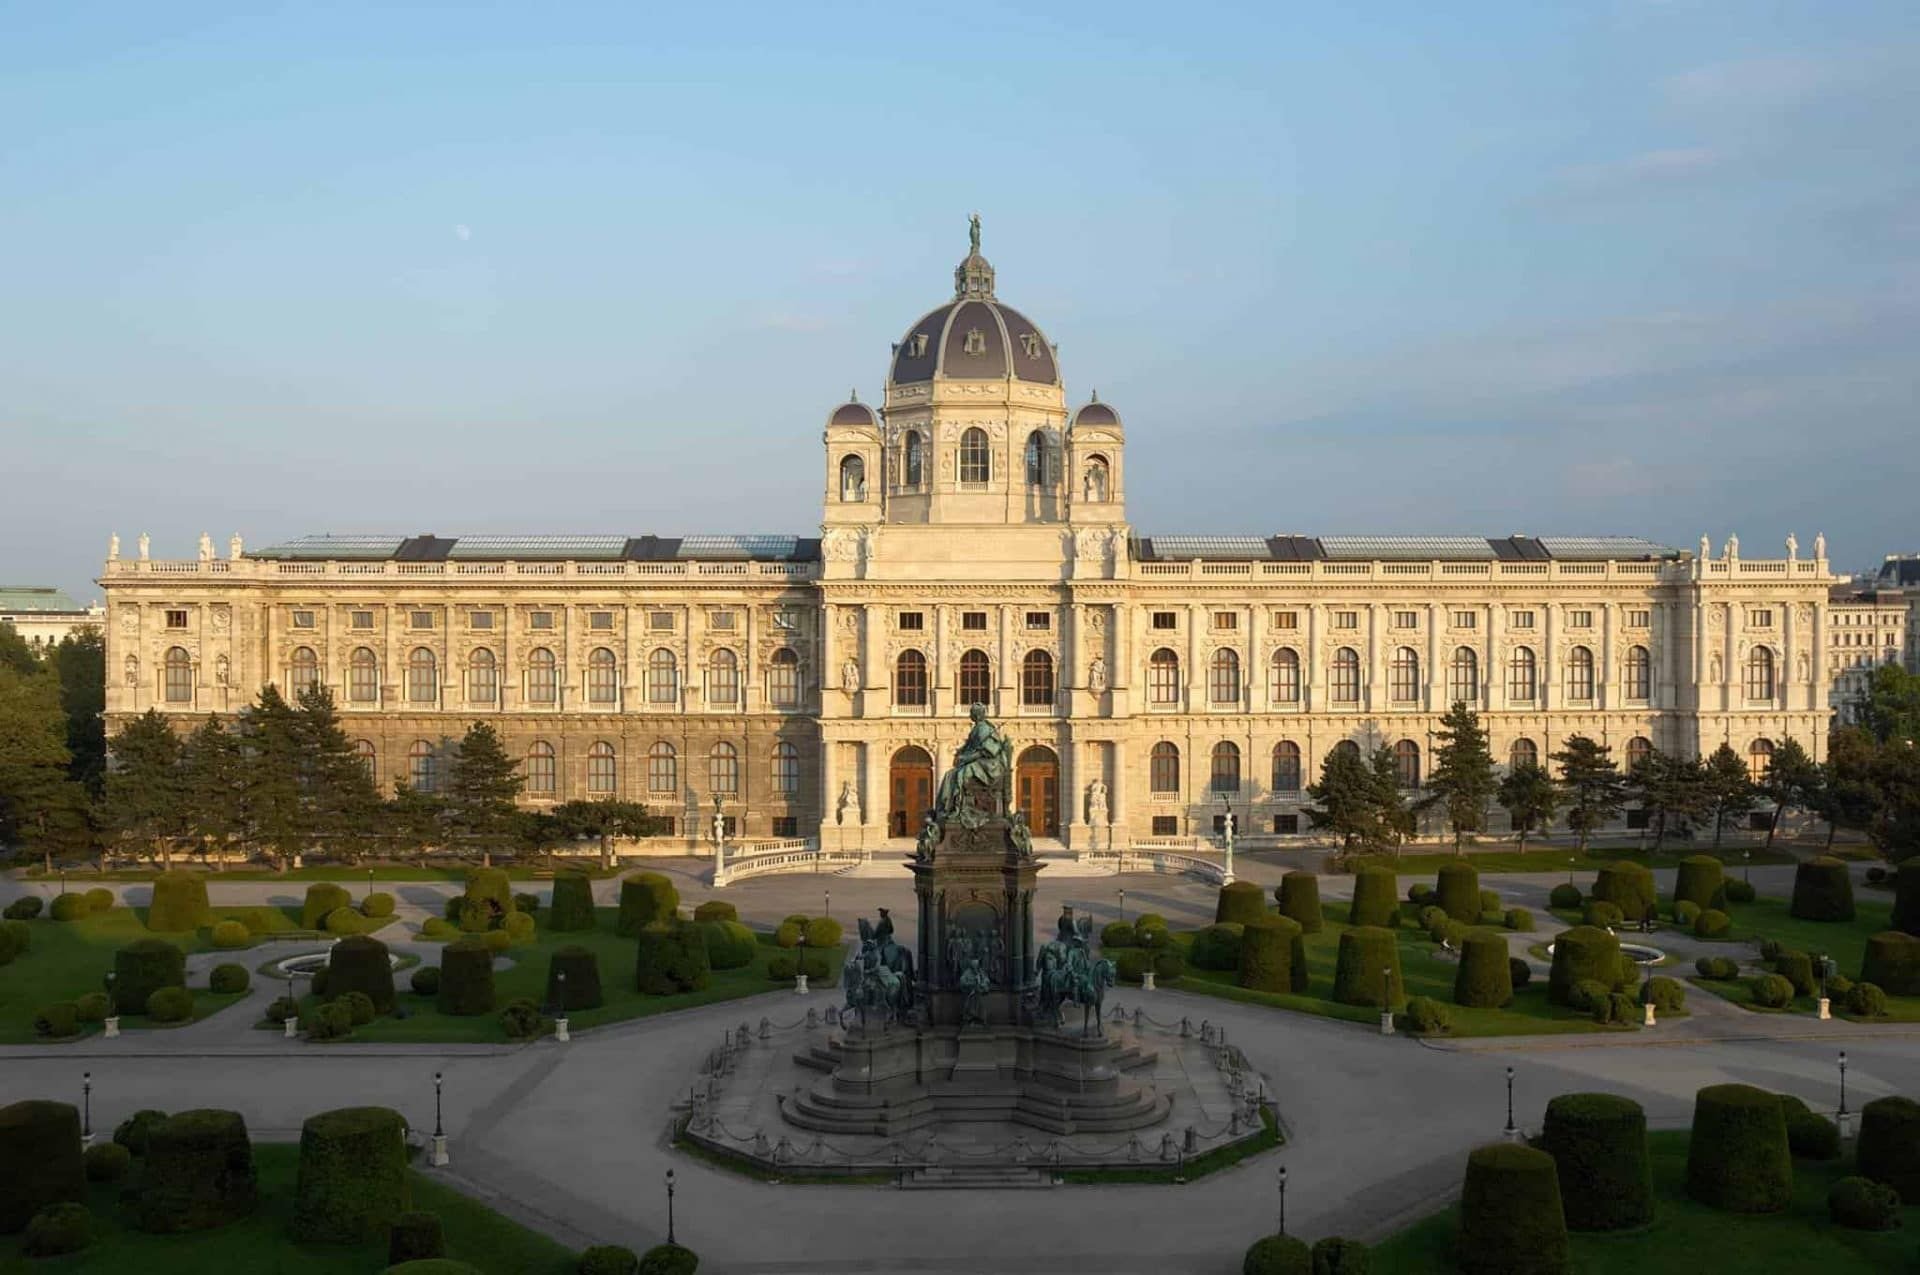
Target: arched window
x=303, y=671
x=1760, y=673
x=1759, y=759
x=1523, y=673
x=1283, y=678
x=910, y=680
x=1463, y=677
x=1226, y=767
x=1406, y=764
x=663, y=677
x=364, y=750
x=423, y=768
x=543, y=676
x=663, y=767
x=1223, y=677
x=786, y=769
x=542, y=779
x=1345, y=685
x=1036, y=679
x=1637, y=674
x=1403, y=676
x=423, y=676
x=483, y=677
x=916, y=462
x=363, y=676
x=853, y=478
x=976, y=462
x=783, y=679
x=1522, y=753
x=603, y=677
x=723, y=678
x=1580, y=674
x=178, y=667
x=1286, y=766
x=1163, y=677
x=1040, y=466
x=976, y=678
x=723, y=769
x=1163, y=768
x=1347, y=747
x=603, y=772
x=1639, y=748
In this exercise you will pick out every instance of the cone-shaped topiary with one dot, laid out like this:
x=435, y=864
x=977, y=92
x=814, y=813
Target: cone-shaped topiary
x=1217, y=947
x=415, y=1236
x=1241, y=902
x=488, y=899
x=142, y=968
x=1583, y=953
x=731, y=945
x=1376, y=897
x=1510, y=1214
x=672, y=958
x=353, y=1175
x=1629, y=887
x=716, y=910
x=646, y=897
x=1598, y=1142
x=1906, y=897
x=40, y=1160
x=572, y=908
x=1889, y=1147
x=1299, y=897
x=198, y=1174
x=1266, y=954
x=1737, y=1158
x=322, y=898
x=361, y=963
x=1483, y=980
x=1822, y=890
x=1892, y=963
x=1457, y=891
x=179, y=903
x=466, y=978
x=1699, y=881
x=1369, y=961
x=582, y=983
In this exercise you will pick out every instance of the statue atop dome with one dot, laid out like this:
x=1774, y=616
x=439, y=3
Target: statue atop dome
x=973, y=235
x=974, y=276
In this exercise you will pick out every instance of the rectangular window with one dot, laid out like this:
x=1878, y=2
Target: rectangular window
x=660, y=621
x=540, y=620
x=303, y=619
x=420, y=619
x=1761, y=618
x=1286, y=619
x=1466, y=619
x=1639, y=619
x=720, y=620
x=1166, y=620
x=602, y=620
x=1286, y=825
x=786, y=826
x=480, y=619
x=913, y=621
x=1346, y=619
x=1166, y=825
x=1406, y=619
x=1520, y=620
x=786, y=618
x=1219, y=825
x=1579, y=619
x=1638, y=819
x=1226, y=620
x=176, y=619
x=973, y=621
x=729, y=826
x=362, y=620
x=1039, y=619
x=663, y=825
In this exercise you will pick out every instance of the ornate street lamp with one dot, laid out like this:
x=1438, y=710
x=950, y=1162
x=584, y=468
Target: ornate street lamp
x=829, y=903
x=1513, y=1133
x=1123, y=903
x=1841, y=1117
x=670, y=1206
x=86, y=1107
x=1283, y=1199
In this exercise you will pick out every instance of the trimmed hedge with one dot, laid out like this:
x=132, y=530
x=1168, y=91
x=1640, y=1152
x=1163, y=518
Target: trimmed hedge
x=1511, y=1221
x=377, y=905
x=198, y=1174
x=1457, y=891
x=362, y=964
x=1425, y=1016
x=414, y=1237
x=1861, y=1204
x=1483, y=979
x=432, y=1266
x=1580, y=954
x=1277, y=1255
x=1241, y=902
x=1701, y=880
x=1906, y=898
x=1337, y=1256
x=170, y=1005
x=1740, y=891
x=1892, y=963
x=22, y=934
x=466, y=978
x=57, y=1021
x=133, y=1132
x=572, y=908
x=1667, y=995
x=1770, y=991
x=1375, y=897
x=352, y=1181
x=1602, y=913
x=231, y=934
x=1629, y=887
x=107, y=1162
x=229, y=978
x=488, y=900
x=518, y=927
x=582, y=984
x=24, y=908
x=669, y=1259
x=1866, y=1000
x=646, y=898
x=1519, y=920
x=1117, y=934
x=40, y=1160
x=57, y=1230
x=1737, y=1157
x=1217, y=947
x=730, y=945
x=1719, y=968
x=1564, y=896
x=1685, y=914
x=716, y=910
x=179, y=903
x=1298, y=896
x=359, y=1007
x=1796, y=968
x=99, y=899
x=1519, y=971
x=1811, y=1137
x=1888, y=1149
x=143, y=967
x=425, y=980
x=608, y=1259
x=1365, y=951
x=1130, y=964
x=672, y=958
x=69, y=907
x=821, y=931
x=1822, y=890
x=1266, y=953
x=1598, y=1142
x=521, y=1019
x=1711, y=924
x=322, y=897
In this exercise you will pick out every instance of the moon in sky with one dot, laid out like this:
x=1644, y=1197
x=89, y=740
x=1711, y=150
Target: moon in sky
x=462, y=233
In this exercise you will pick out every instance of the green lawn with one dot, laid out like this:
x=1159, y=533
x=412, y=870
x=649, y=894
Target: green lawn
x=528, y=977
x=1687, y=1238
x=474, y=1234
x=1566, y=858
x=81, y=877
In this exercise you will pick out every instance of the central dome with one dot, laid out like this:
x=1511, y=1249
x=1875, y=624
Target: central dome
x=974, y=337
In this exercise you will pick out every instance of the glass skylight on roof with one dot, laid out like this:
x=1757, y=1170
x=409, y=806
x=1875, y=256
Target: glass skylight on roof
x=334, y=547
x=532, y=547
x=1216, y=547
x=1604, y=548
x=1407, y=548
x=748, y=546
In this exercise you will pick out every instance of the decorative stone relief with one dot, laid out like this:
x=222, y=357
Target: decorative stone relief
x=221, y=670
x=850, y=675
x=222, y=615
x=130, y=619
x=840, y=544
x=1097, y=675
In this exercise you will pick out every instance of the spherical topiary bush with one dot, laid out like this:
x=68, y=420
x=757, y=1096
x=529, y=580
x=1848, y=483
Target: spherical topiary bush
x=24, y=908
x=730, y=945
x=1519, y=920
x=526, y=902
x=359, y=1007
x=521, y=1019
x=1888, y=1149
x=1299, y=897
x=1796, y=968
x=1811, y=1137
x=1336, y=1256
x=789, y=933
x=1906, y=897
x=519, y=928
x=1367, y=967
x=58, y=1229
x=1266, y=954
x=1511, y=1222
x=1375, y=898
x=352, y=1180
x=716, y=910
x=1865, y=1000
x=57, y=1021
x=1420, y=894
x=1737, y=1158
x=1717, y=967
x=1580, y=954
x=1519, y=973
x=1740, y=891
x=645, y=898
x=1217, y=947
x=782, y=968
x=170, y=1005
x=345, y=920
x=1667, y=995
x=572, y=908
x=823, y=932
x=1699, y=880
x=198, y=1174
x=495, y=941
x=608, y=1259
x=1892, y=963
x=1598, y=1143
x=179, y=903
x=228, y=979
x=672, y=958
x=1117, y=934
x=668, y=1259
x=377, y=905
x=332, y=1021
x=1822, y=890
x=425, y=980
x=107, y=1162
x=1602, y=913
x=362, y=963
x=1240, y=902
x=40, y=1160
x=1457, y=891
x=435, y=930
x=141, y=968
x=322, y=897
x=1564, y=896
x=1770, y=991
x=1685, y=914
x=1483, y=980
x=1425, y=1016
x=231, y=934
x=1629, y=887
x=1130, y=964
x=133, y=1132
x=1277, y=1255
x=466, y=978
x=1861, y=1204
x=580, y=989
x=1712, y=924
x=415, y=1236
x=69, y=907
x=1169, y=966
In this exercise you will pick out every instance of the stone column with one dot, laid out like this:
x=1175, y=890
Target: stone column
x=874, y=798
x=1071, y=830
x=1120, y=830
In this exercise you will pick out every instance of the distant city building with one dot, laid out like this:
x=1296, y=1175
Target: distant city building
x=1902, y=571
x=44, y=615
x=1869, y=628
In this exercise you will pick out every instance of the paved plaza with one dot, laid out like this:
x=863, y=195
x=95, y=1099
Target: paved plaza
x=572, y=1138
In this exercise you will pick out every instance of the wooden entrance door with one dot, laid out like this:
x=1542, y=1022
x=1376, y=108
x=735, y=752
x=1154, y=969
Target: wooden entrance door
x=1036, y=787
x=910, y=791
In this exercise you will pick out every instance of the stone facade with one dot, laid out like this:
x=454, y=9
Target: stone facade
x=1867, y=627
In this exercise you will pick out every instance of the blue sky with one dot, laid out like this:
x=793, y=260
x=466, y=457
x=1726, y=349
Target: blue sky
x=1619, y=266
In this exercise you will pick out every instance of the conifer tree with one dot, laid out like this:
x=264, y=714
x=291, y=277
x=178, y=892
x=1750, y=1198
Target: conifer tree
x=341, y=804
x=1727, y=789
x=275, y=803
x=80, y=662
x=413, y=820
x=214, y=786
x=144, y=799
x=482, y=784
x=1792, y=780
x=603, y=821
x=1592, y=784
x=1393, y=820
x=1847, y=796
x=1671, y=789
x=1530, y=797
x=1345, y=799
x=1462, y=780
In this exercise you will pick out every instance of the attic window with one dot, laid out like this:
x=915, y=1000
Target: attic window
x=1030, y=342
x=976, y=341
x=917, y=345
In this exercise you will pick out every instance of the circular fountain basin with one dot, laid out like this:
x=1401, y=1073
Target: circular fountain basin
x=1638, y=953
x=307, y=964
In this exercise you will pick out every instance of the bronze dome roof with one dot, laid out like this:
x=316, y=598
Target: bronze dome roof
x=974, y=337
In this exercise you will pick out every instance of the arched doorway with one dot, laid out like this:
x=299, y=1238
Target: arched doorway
x=910, y=789
x=1036, y=790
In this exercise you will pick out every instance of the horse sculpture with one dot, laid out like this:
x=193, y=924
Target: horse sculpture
x=879, y=977
x=1068, y=974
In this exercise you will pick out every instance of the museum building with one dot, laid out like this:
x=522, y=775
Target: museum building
x=975, y=548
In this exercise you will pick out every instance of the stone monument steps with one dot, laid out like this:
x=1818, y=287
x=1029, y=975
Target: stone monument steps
x=984, y=1177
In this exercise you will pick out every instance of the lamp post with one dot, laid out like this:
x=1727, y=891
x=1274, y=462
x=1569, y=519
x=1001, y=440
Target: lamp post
x=1386, y=1001
x=560, y=1029
x=1123, y=903
x=829, y=903
x=1826, y=1006
x=1841, y=1118
x=439, y=1157
x=1283, y=1199
x=369, y=883
x=111, y=1026
x=1512, y=1132
x=86, y=1108
x=670, y=1238
x=1746, y=866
